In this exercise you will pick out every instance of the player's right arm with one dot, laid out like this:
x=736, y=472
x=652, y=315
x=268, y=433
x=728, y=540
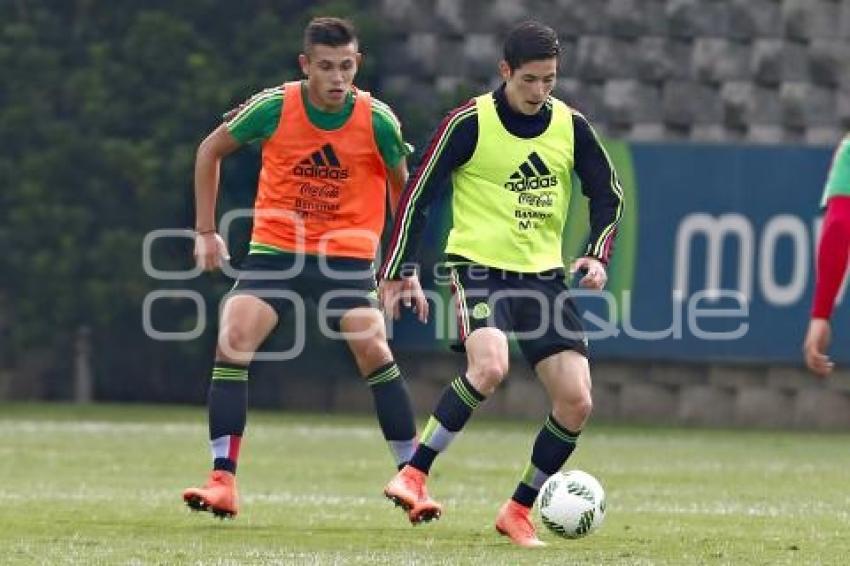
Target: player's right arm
x=451, y=146
x=210, y=248
x=832, y=259
x=254, y=120
x=829, y=274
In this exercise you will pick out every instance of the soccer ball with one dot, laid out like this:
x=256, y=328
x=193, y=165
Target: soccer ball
x=572, y=504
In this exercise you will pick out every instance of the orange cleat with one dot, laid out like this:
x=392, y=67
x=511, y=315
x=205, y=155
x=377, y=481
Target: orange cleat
x=218, y=496
x=407, y=490
x=514, y=522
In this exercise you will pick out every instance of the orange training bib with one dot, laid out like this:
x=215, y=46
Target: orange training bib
x=321, y=191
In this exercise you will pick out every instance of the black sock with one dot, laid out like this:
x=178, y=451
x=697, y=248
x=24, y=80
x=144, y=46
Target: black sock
x=394, y=411
x=228, y=407
x=552, y=447
x=458, y=401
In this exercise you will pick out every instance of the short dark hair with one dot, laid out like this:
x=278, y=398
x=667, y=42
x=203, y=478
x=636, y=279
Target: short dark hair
x=333, y=32
x=530, y=41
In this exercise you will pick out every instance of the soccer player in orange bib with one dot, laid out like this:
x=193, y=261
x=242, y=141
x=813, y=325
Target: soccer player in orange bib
x=329, y=151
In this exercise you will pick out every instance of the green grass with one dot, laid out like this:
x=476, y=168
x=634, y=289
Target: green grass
x=101, y=485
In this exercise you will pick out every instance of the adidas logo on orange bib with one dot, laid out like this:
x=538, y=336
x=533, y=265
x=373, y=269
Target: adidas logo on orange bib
x=322, y=164
x=531, y=174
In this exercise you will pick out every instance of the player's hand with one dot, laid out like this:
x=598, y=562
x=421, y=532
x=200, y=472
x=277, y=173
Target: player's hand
x=210, y=250
x=406, y=291
x=595, y=275
x=815, y=346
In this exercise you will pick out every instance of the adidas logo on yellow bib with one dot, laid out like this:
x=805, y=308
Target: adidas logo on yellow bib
x=530, y=175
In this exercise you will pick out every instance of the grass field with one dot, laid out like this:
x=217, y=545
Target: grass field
x=102, y=485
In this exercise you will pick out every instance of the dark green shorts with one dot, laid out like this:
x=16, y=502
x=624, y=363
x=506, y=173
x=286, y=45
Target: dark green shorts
x=535, y=307
x=336, y=285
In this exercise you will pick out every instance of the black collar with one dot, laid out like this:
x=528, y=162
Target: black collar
x=517, y=123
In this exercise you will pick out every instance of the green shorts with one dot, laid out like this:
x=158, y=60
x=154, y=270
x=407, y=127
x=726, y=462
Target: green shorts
x=335, y=284
x=536, y=307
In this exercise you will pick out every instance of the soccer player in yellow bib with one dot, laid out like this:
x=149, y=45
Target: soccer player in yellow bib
x=510, y=155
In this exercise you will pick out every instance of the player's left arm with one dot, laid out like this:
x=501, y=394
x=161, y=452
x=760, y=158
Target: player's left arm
x=397, y=179
x=602, y=187
x=394, y=150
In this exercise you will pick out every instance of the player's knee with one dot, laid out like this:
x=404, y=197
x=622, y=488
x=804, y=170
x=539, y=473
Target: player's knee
x=583, y=406
x=372, y=353
x=235, y=344
x=486, y=375
x=575, y=408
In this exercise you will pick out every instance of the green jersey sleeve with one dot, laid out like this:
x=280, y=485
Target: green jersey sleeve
x=838, y=180
x=388, y=135
x=257, y=118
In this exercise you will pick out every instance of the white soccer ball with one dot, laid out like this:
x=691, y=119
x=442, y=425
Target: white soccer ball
x=572, y=504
